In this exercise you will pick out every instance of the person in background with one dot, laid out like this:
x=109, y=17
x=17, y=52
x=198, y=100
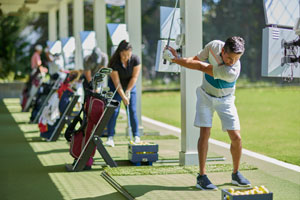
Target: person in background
x=49, y=56
x=93, y=62
x=36, y=62
x=126, y=69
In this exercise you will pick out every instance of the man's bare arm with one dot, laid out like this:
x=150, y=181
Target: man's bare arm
x=194, y=63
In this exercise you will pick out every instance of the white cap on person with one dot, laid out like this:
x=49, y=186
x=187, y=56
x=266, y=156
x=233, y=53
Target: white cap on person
x=38, y=47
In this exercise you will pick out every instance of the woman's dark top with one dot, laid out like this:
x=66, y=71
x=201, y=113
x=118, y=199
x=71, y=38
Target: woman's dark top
x=125, y=73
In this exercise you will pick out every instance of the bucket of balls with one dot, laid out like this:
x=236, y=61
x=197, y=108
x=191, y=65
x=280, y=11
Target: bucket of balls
x=143, y=152
x=255, y=193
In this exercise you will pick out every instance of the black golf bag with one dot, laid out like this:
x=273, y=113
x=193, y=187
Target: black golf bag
x=31, y=89
x=42, y=94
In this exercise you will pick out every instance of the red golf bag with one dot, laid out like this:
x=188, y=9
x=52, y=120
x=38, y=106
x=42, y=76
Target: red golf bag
x=94, y=109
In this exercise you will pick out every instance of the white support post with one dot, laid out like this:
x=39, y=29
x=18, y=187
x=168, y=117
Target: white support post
x=78, y=25
x=63, y=20
x=134, y=26
x=191, y=13
x=52, y=25
x=100, y=24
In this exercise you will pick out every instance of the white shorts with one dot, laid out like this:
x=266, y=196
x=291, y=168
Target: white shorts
x=225, y=107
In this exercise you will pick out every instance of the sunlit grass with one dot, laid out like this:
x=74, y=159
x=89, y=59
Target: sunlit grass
x=270, y=119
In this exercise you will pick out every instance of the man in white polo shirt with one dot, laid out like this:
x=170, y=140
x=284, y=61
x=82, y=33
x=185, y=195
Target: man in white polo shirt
x=220, y=63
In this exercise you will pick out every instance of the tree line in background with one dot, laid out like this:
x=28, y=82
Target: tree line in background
x=221, y=19
x=13, y=45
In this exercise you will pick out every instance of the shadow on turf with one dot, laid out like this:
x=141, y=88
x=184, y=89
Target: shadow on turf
x=22, y=122
x=140, y=190
x=54, y=151
x=23, y=177
x=120, y=163
x=111, y=196
x=31, y=131
x=225, y=184
x=62, y=169
x=34, y=139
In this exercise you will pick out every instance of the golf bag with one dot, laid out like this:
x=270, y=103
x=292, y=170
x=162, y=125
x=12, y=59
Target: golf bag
x=41, y=96
x=30, y=90
x=57, y=104
x=93, y=111
x=94, y=108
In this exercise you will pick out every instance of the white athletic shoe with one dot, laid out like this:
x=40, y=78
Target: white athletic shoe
x=137, y=139
x=110, y=142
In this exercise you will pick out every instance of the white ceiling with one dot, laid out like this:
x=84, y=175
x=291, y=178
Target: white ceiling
x=41, y=5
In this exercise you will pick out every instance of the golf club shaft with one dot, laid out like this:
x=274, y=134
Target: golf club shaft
x=128, y=121
x=168, y=43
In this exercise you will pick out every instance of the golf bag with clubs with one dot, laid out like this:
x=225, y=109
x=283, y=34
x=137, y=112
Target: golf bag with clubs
x=57, y=104
x=93, y=110
x=42, y=94
x=31, y=89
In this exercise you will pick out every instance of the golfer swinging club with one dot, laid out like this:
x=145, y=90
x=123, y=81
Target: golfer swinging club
x=216, y=94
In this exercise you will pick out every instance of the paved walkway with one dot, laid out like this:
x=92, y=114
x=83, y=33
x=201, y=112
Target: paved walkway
x=34, y=169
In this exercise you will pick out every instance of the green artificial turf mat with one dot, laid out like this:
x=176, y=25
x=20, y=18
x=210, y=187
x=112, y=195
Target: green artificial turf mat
x=162, y=170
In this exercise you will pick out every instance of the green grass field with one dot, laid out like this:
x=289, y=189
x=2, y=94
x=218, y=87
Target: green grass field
x=270, y=119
